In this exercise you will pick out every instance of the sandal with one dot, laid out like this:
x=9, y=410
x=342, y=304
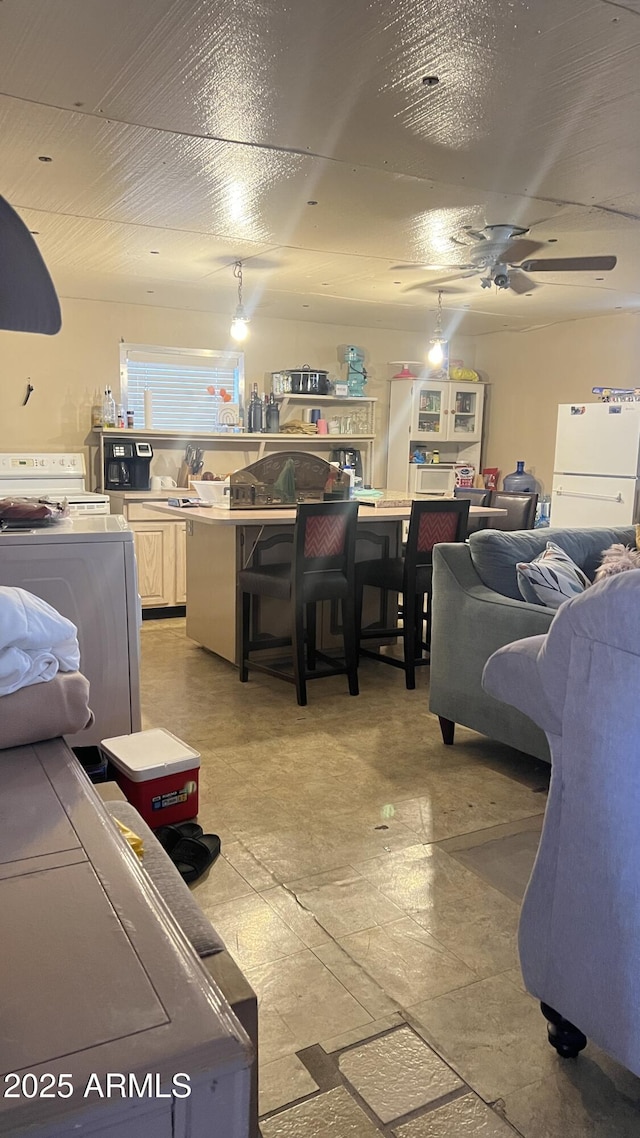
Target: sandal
x=169, y=836
x=192, y=856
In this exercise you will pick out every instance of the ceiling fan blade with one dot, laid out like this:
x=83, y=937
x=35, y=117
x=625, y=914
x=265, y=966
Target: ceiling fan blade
x=519, y=283
x=430, y=268
x=428, y=286
x=28, y=299
x=521, y=248
x=569, y=265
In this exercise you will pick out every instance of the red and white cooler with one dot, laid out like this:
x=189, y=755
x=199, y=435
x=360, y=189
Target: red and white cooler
x=158, y=774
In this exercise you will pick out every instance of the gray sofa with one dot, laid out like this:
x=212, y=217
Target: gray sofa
x=477, y=608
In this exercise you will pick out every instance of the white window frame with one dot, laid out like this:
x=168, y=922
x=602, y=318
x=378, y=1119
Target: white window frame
x=231, y=359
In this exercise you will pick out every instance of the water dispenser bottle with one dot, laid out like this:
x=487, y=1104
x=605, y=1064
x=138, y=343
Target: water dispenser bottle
x=519, y=481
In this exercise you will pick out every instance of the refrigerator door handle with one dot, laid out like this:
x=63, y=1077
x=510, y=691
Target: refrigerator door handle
x=592, y=497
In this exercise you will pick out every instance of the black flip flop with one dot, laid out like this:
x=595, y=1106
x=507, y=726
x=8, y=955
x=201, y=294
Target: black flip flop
x=169, y=836
x=193, y=856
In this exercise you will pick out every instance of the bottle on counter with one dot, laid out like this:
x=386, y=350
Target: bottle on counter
x=97, y=410
x=265, y=404
x=130, y=420
x=254, y=415
x=519, y=481
x=120, y=416
x=273, y=416
x=108, y=409
x=435, y=457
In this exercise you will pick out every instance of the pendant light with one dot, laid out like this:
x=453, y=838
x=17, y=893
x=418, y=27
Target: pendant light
x=437, y=343
x=240, y=324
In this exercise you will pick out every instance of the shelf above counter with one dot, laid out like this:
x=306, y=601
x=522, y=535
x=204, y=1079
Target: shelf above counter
x=230, y=437
x=326, y=398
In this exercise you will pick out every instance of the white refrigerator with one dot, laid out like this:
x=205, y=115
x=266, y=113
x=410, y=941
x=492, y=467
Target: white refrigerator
x=596, y=468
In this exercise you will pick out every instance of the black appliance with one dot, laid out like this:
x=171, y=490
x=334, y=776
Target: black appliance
x=126, y=465
x=348, y=456
x=303, y=381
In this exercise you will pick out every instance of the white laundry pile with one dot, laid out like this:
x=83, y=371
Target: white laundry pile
x=35, y=641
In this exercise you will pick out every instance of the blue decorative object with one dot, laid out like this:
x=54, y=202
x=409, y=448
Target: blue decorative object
x=356, y=371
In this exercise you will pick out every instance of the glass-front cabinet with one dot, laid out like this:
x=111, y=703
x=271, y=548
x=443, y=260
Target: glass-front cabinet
x=432, y=419
x=446, y=411
x=465, y=411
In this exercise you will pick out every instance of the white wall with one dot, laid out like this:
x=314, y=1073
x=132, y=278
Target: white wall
x=532, y=372
x=67, y=369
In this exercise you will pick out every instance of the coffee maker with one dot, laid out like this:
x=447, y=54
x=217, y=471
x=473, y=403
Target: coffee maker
x=126, y=465
x=348, y=457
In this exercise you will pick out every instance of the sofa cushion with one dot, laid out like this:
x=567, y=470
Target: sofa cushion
x=551, y=578
x=495, y=553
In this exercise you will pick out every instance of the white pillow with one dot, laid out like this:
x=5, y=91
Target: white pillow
x=551, y=578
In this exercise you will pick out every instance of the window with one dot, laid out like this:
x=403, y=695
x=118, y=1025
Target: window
x=192, y=390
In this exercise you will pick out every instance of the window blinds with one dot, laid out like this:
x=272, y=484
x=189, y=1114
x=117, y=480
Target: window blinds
x=186, y=385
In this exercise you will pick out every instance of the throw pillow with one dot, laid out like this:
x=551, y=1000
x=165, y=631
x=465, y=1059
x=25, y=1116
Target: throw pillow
x=551, y=578
x=617, y=559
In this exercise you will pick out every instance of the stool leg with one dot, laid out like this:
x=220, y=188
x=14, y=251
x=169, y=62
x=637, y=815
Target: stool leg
x=311, y=637
x=298, y=654
x=245, y=636
x=409, y=639
x=429, y=597
x=350, y=638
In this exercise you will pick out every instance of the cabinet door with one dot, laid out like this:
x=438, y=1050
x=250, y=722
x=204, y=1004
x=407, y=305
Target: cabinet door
x=464, y=412
x=155, y=554
x=181, y=564
x=428, y=411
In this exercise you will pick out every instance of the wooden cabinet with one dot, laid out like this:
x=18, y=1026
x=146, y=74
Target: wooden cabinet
x=428, y=415
x=155, y=555
x=180, y=568
x=160, y=553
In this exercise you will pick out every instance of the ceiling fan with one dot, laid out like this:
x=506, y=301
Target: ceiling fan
x=502, y=256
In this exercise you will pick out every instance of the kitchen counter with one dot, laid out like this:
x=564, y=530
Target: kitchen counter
x=147, y=495
x=215, y=516
x=219, y=543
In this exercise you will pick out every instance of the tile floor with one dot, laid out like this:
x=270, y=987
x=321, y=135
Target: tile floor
x=369, y=890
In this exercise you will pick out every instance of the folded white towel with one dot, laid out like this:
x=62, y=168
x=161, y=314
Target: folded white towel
x=29, y=623
x=21, y=669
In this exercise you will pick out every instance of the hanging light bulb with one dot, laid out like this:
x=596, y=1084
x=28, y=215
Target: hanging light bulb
x=436, y=352
x=435, y=355
x=240, y=324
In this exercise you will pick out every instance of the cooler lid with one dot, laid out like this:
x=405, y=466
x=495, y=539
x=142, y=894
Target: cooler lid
x=150, y=754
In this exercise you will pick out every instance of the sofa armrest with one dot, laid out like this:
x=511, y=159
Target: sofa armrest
x=469, y=623
x=512, y=675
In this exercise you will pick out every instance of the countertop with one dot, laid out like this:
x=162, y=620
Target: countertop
x=148, y=495
x=215, y=516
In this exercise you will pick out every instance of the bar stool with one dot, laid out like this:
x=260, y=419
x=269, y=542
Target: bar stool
x=431, y=522
x=520, y=507
x=322, y=569
x=475, y=497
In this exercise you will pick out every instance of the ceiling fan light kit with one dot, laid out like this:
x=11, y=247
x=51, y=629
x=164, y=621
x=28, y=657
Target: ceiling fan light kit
x=501, y=255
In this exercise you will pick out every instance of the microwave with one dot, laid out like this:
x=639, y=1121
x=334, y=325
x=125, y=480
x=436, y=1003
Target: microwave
x=437, y=479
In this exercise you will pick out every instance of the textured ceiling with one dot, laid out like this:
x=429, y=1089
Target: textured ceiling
x=201, y=129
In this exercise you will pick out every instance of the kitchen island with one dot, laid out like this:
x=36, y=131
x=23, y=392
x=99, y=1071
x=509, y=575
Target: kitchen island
x=221, y=542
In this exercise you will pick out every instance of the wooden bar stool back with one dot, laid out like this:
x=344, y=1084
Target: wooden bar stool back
x=431, y=522
x=322, y=569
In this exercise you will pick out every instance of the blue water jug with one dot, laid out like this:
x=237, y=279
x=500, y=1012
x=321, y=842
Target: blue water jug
x=519, y=481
